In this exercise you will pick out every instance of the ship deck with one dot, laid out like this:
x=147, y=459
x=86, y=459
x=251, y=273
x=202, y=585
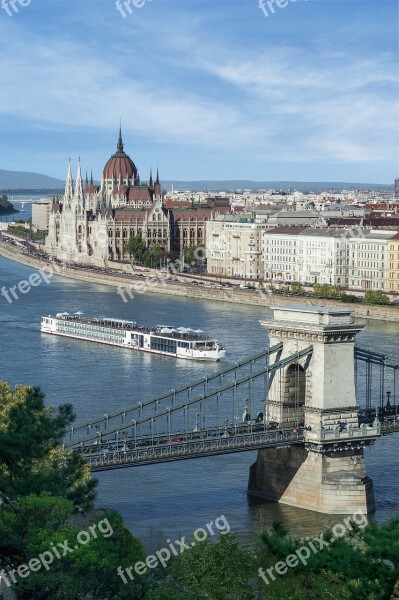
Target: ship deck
x=132, y=326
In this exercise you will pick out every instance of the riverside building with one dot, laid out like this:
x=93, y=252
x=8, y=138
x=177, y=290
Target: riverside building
x=357, y=258
x=234, y=247
x=92, y=224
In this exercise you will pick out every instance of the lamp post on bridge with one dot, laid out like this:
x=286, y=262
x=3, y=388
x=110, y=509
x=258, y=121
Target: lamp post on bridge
x=388, y=405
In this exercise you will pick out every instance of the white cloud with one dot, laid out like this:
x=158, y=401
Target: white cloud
x=281, y=101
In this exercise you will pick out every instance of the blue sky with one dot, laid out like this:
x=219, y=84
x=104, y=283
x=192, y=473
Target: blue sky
x=205, y=89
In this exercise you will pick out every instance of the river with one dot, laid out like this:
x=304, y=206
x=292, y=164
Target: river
x=161, y=501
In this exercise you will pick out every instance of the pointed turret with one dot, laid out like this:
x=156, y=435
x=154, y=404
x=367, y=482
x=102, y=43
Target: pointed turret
x=91, y=179
x=151, y=183
x=157, y=188
x=120, y=141
x=69, y=184
x=79, y=196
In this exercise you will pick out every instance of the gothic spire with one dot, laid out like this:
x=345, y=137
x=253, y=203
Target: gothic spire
x=157, y=181
x=151, y=184
x=78, y=185
x=91, y=179
x=69, y=183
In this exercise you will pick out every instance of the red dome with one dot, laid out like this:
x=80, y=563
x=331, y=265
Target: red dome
x=120, y=164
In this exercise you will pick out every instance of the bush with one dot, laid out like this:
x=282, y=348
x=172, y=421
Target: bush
x=373, y=297
x=350, y=298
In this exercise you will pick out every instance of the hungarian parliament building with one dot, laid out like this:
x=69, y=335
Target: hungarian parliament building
x=92, y=224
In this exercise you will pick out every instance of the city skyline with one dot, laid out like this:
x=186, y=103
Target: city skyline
x=204, y=91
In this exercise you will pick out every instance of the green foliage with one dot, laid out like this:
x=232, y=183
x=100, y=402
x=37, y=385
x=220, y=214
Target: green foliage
x=297, y=288
x=364, y=565
x=217, y=571
x=375, y=297
x=32, y=459
x=136, y=248
x=154, y=255
x=5, y=205
x=195, y=256
x=34, y=525
x=351, y=298
x=323, y=290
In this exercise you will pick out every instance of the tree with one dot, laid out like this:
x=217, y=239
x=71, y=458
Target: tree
x=32, y=459
x=297, y=288
x=195, y=256
x=154, y=255
x=35, y=525
x=323, y=290
x=351, y=298
x=362, y=565
x=217, y=571
x=376, y=297
x=136, y=248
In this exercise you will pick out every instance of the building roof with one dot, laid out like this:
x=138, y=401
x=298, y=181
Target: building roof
x=286, y=229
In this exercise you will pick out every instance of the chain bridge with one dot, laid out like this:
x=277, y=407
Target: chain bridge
x=309, y=404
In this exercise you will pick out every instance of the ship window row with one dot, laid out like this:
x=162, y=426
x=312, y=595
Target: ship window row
x=163, y=345
x=183, y=344
x=101, y=333
x=65, y=326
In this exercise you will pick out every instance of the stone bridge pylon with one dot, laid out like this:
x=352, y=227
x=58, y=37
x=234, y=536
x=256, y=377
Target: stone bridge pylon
x=327, y=472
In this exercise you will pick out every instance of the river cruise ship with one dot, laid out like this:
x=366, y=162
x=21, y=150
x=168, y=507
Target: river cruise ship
x=182, y=342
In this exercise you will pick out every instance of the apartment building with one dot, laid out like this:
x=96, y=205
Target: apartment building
x=306, y=254
x=281, y=253
x=368, y=260
x=323, y=256
x=392, y=270
x=234, y=247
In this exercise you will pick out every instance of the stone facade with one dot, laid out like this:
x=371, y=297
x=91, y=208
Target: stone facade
x=92, y=224
x=234, y=247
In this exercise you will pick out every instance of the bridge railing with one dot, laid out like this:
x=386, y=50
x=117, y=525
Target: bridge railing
x=193, y=449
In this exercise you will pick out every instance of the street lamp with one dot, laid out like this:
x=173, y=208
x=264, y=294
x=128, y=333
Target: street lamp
x=388, y=405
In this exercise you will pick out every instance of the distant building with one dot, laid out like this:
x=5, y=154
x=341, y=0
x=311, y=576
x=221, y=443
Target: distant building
x=281, y=252
x=234, y=247
x=368, y=260
x=41, y=214
x=392, y=270
x=306, y=254
x=396, y=191
x=92, y=224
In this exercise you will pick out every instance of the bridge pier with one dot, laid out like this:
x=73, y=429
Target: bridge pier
x=327, y=472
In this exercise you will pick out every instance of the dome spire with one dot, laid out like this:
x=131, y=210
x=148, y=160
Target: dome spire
x=120, y=142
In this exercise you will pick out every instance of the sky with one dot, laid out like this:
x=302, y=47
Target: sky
x=219, y=89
